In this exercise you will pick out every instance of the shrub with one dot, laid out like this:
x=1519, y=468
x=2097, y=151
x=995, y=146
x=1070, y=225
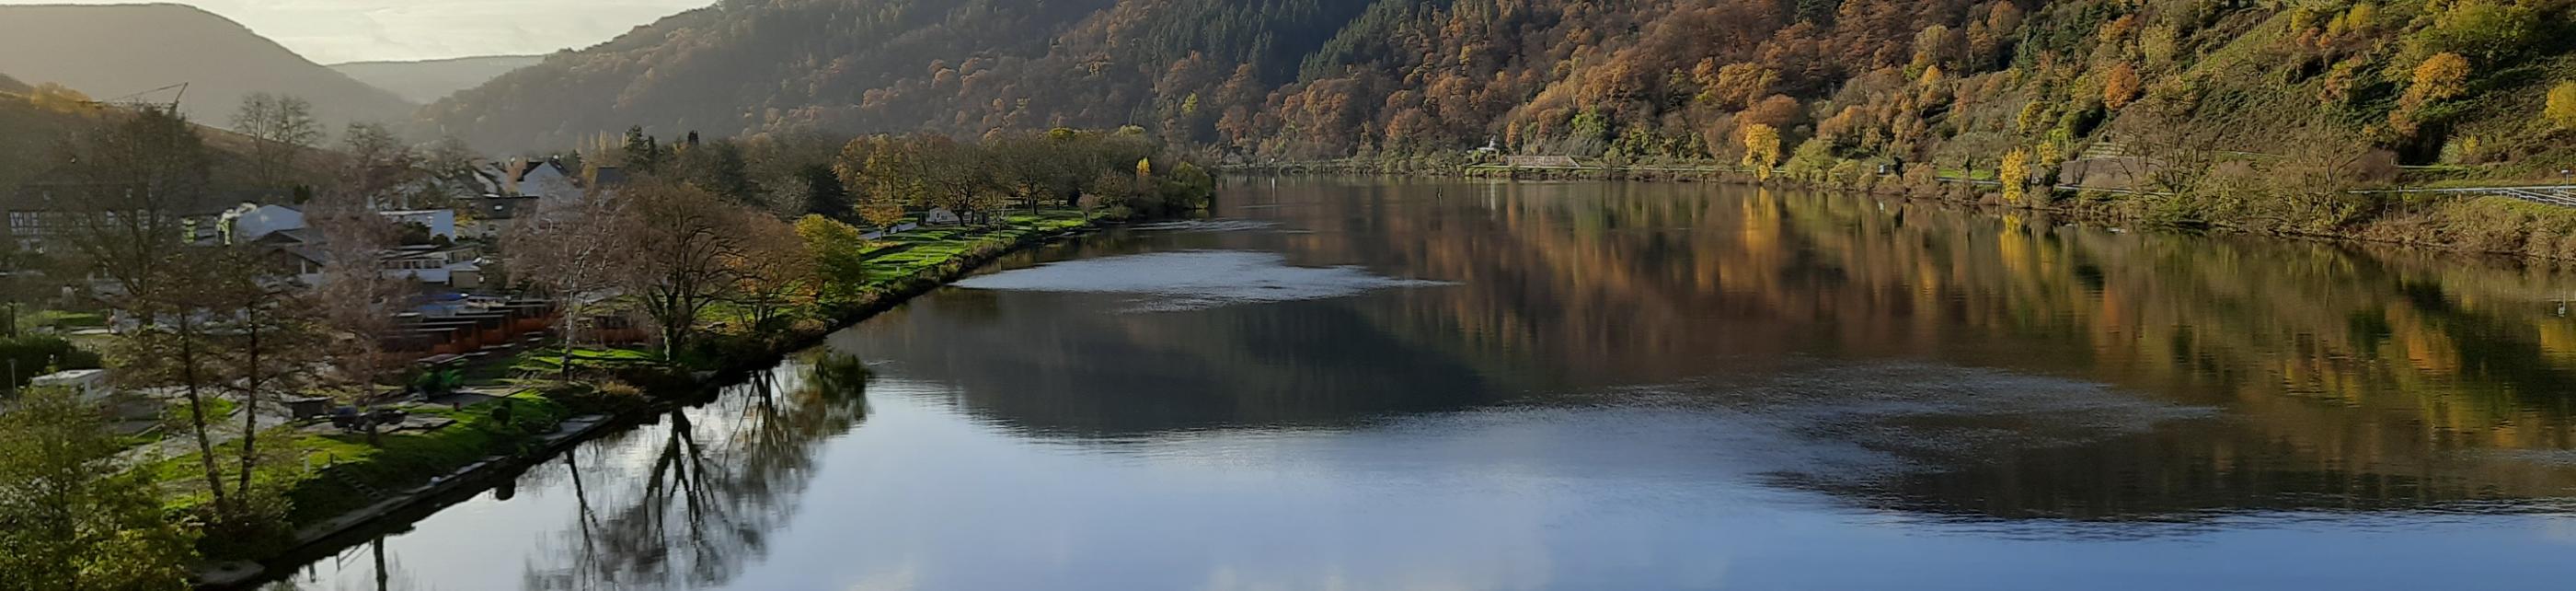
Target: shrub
x=33, y=355
x=2561, y=111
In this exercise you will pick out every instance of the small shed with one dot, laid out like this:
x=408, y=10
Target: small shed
x=940, y=217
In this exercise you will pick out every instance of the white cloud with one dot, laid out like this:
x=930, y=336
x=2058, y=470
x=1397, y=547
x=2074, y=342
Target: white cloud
x=333, y=31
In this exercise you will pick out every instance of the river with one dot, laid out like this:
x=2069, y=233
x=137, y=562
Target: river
x=1337, y=383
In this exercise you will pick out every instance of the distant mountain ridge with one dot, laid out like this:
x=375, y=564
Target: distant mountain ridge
x=108, y=51
x=427, y=81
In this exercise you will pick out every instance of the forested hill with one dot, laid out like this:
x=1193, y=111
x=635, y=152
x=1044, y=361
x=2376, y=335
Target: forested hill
x=1889, y=81
x=751, y=65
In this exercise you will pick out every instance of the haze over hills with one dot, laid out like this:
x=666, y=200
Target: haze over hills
x=112, y=50
x=430, y=80
x=33, y=129
x=1882, y=81
x=752, y=65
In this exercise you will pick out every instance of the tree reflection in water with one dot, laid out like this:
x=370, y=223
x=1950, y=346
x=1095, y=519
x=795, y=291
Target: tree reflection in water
x=717, y=481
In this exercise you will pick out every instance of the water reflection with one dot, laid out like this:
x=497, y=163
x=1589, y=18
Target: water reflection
x=2342, y=378
x=1612, y=386
x=720, y=478
x=686, y=503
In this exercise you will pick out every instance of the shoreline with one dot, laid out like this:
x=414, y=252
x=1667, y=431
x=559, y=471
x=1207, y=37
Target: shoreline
x=2088, y=207
x=350, y=529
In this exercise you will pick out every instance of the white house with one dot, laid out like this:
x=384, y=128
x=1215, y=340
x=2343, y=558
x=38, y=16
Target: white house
x=543, y=179
x=441, y=222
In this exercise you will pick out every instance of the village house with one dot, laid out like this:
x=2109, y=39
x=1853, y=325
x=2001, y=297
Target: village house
x=439, y=223
x=43, y=211
x=522, y=185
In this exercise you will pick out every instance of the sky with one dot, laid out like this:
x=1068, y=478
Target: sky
x=335, y=31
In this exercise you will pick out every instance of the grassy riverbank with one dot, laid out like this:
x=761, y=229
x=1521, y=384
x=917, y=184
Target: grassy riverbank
x=349, y=474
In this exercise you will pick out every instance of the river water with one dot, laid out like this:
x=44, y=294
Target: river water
x=1386, y=384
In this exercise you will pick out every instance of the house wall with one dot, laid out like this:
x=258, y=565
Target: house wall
x=440, y=222
x=548, y=181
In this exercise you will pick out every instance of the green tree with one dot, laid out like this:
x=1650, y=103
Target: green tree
x=720, y=169
x=75, y=520
x=824, y=194
x=838, y=249
x=643, y=153
x=2490, y=30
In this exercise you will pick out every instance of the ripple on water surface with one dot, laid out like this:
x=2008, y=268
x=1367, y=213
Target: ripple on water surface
x=1207, y=226
x=1194, y=280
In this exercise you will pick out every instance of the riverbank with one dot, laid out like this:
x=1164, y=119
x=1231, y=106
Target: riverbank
x=337, y=505
x=2478, y=225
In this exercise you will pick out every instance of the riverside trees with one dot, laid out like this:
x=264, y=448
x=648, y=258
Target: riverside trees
x=683, y=245
x=202, y=320
x=700, y=241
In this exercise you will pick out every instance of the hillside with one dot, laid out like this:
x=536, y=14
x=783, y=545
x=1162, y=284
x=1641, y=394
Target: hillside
x=427, y=81
x=35, y=127
x=1959, y=83
x=115, y=50
x=753, y=65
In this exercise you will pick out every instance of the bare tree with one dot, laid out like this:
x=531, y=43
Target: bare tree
x=358, y=303
x=2171, y=151
x=282, y=129
x=680, y=239
x=568, y=250
x=131, y=185
x=264, y=340
x=380, y=166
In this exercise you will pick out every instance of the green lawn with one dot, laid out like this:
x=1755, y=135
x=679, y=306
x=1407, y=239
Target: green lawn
x=401, y=461
x=60, y=320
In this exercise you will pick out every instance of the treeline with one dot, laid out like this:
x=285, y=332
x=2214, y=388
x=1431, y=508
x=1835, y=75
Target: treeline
x=884, y=179
x=770, y=229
